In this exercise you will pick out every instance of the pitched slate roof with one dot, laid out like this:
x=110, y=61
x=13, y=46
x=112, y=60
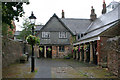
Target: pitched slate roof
x=73, y=25
x=38, y=27
x=76, y=25
x=54, y=15
x=105, y=19
x=99, y=31
x=112, y=5
x=102, y=23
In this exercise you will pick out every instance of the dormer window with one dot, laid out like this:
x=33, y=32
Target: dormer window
x=112, y=6
x=80, y=36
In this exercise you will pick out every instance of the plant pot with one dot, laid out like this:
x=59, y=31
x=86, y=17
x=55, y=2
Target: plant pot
x=22, y=61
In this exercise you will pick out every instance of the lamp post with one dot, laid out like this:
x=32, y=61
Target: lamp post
x=32, y=20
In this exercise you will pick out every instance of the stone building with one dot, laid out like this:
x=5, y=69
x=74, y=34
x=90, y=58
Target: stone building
x=96, y=36
x=58, y=34
x=90, y=35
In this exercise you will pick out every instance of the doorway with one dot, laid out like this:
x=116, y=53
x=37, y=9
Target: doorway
x=41, y=51
x=49, y=51
x=94, y=53
x=88, y=53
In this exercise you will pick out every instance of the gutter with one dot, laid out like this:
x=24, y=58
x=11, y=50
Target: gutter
x=88, y=40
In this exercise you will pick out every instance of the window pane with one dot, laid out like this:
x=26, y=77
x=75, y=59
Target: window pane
x=45, y=34
x=61, y=49
x=62, y=35
x=78, y=36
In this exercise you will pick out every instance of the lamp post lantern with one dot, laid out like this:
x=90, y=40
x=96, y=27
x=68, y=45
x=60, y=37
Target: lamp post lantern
x=32, y=20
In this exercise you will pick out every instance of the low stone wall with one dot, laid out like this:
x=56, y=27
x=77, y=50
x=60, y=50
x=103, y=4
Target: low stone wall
x=11, y=51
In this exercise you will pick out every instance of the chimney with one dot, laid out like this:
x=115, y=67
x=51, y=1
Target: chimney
x=104, y=7
x=63, y=14
x=93, y=16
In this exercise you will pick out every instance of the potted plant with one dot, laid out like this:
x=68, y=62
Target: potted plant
x=49, y=49
x=41, y=49
x=79, y=49
x=23, y=58
x=75, y=49
x=32, y=40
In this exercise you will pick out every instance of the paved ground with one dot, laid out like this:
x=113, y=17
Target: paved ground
x=64, y=68
x=56, y=68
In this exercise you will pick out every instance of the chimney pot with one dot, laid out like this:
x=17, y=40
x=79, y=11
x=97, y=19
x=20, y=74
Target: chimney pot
x=104, y=7
x=63, y=14
x=93, y=16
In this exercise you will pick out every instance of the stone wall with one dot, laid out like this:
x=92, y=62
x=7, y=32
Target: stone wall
x=36, y=51
x=11, y=51
x=113, y=47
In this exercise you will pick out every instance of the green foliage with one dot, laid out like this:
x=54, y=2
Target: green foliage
x=26, y=29
x=49, y=49
x=74, y=38
x=32, y=40
x=70, y=55
x=75, y=48
x=11, y=11
x=12, y=27
x=4, y=29
x=41, y=49
x=10, y=33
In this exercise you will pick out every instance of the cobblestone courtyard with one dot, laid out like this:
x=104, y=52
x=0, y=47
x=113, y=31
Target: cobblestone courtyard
x=56, y=68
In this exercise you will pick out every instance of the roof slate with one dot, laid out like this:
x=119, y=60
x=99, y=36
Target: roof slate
x=76, y=25
x=98, y=31
x=102, y=23
x=38, y=27
x=105, y=19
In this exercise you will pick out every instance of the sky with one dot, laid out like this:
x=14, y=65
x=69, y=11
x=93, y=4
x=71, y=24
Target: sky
x=44, y=9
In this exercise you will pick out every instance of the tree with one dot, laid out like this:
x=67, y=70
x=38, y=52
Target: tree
x=11, y=11
x=4, y=29
x=6, y=32
x=26, y=29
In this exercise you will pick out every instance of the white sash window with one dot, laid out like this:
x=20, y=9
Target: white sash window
x=62, y=34
x=45, y=34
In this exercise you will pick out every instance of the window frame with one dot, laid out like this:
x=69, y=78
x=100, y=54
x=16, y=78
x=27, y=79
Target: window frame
x=61, y=48
x=80, y=36
x=44, y=34
x=62, y=35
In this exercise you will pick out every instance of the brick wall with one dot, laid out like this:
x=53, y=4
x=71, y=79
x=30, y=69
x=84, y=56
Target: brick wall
x=65, y=53
x=55, y=49
x=103, y=51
